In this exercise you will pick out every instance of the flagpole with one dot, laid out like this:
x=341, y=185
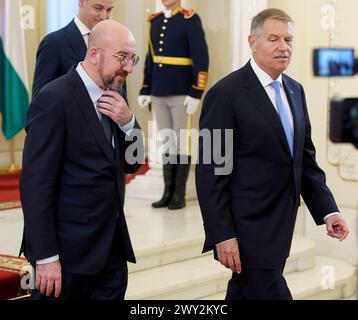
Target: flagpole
x=13, y=166
x=14, y=98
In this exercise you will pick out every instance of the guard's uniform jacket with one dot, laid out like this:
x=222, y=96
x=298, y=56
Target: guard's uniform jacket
x=177, y=60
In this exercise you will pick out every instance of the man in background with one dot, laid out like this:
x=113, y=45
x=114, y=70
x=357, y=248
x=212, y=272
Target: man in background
x=62, y=49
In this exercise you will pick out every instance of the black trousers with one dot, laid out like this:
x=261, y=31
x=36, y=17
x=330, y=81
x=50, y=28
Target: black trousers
x=258, y=284
x=106, y=285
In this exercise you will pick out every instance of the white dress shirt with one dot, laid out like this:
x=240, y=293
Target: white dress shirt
x=167, y=13
x=266, y=81
x=83, y=29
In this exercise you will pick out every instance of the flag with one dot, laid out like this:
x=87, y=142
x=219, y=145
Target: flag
x=14, y=97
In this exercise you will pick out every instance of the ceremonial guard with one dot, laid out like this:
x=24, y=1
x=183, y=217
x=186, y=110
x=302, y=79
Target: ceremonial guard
x=175, y=77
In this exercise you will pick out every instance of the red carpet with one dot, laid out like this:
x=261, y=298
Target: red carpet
x=142, y=170
x=9, y=190
x=9, y=187
x=11, y=271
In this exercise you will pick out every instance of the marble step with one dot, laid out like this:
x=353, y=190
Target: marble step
x=204, y=277
x=151, y=256
x=314, y=284
x=189, y=279
x=329, y=279
x=159, y=254
x=302, y=255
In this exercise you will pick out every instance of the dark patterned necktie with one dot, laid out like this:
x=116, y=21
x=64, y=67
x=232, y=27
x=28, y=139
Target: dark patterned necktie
x=106, y=125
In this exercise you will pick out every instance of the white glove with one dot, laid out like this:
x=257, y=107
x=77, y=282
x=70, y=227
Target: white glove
x=144, y=101
x=192, y=104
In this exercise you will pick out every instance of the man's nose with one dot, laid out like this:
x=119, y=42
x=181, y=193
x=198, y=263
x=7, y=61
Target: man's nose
x=283, y=45
x=129, y=67
x=103, y=15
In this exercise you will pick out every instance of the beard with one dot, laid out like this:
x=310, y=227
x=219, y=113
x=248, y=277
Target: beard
x=112, y=82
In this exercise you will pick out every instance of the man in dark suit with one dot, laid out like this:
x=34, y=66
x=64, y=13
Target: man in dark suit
x=62, y=49
x=249, y=214
x=74, y=163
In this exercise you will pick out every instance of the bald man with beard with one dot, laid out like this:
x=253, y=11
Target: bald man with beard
x=72, y=184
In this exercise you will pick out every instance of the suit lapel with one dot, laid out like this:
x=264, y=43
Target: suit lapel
x=84, y=103
x=75, y=40
x=258, y=96
x=294, y=100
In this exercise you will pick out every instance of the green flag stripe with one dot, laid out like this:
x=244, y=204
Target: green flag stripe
x=14, y=98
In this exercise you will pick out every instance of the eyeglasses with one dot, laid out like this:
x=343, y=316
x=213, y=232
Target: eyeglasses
x=124, y=59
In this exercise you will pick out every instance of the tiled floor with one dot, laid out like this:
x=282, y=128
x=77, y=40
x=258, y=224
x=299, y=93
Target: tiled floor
x=11, y=224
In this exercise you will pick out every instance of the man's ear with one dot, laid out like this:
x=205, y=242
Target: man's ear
x=94, y=55
x=252, y=42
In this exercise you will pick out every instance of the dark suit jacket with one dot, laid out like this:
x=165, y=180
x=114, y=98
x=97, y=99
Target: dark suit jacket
x=57, y=53
x=72, y=183
x=257, y=202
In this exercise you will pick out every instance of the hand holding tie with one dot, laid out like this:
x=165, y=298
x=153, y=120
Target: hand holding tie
x=115, y=107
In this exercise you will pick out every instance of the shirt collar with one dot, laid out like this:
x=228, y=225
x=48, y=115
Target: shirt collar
x=81, y=26
x=264, y=78
x=171, y=12
x=95, y=92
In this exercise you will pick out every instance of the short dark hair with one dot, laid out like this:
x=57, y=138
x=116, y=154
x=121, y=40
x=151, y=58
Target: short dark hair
x=272, y=13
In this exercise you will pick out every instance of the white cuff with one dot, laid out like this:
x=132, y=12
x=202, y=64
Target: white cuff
x=127, y=128
x=330, y=214
x=226, y=241
x=48, y=260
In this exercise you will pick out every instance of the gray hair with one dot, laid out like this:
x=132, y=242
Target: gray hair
x=272, y=13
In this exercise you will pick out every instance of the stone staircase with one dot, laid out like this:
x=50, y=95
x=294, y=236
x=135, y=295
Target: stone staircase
x=170, y=264
x=178, y=270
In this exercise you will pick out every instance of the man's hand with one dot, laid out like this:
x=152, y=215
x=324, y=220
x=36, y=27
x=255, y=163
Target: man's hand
x=336, y=227
x=48, y=278
x=114, y=106
x=229, y=255
x=144, y=101
x=191, y=104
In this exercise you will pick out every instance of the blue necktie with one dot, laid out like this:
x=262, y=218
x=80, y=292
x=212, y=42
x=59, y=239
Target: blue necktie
x=285, y=120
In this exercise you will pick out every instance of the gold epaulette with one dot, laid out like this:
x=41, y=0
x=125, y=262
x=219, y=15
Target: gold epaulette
x=187, y=13
x=154, y=15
